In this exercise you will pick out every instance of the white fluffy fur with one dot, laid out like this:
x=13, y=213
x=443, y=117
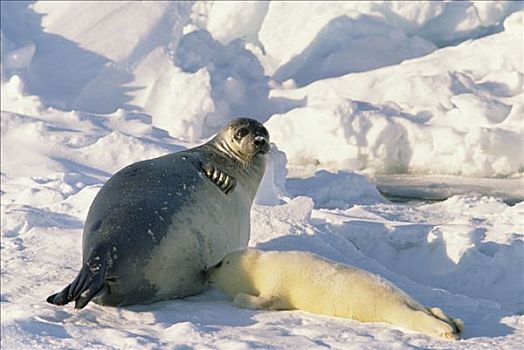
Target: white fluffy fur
x=296, y=280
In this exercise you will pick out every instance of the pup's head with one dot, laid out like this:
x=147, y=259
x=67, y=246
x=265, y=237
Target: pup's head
x=234, y=273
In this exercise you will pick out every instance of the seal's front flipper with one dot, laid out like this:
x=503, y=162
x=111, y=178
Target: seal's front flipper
x=225, y=182
x=88, y=283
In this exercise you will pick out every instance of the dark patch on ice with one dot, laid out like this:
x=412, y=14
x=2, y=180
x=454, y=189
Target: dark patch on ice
x=405, y=188
x=489, y=248
x=5, y=298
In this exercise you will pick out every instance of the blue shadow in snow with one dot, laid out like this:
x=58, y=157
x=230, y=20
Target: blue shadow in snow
x=60, y=69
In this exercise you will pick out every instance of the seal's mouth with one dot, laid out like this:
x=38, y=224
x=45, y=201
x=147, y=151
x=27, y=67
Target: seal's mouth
x=262, y=152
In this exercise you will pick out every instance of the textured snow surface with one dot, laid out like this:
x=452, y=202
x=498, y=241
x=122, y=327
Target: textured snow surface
x=410, y=94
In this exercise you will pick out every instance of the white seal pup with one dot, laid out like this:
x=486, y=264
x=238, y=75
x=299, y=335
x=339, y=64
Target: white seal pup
x=284, y=280
x=156, y=224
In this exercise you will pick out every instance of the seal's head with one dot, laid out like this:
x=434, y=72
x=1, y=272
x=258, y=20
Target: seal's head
x=243, y=139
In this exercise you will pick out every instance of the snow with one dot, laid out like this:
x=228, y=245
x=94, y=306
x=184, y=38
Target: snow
x=365, y=102
x=446, y=113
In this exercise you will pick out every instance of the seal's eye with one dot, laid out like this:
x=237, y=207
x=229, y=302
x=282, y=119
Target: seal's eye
x=240, y=133
x=219, y=264
x=262, y=131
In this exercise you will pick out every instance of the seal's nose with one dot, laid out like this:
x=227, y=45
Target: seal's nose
x=259, y=141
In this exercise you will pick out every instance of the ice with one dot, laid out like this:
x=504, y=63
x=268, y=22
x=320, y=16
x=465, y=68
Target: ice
x=397, y=133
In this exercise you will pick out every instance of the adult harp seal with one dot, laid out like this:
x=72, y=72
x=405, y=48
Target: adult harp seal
x=156, y=224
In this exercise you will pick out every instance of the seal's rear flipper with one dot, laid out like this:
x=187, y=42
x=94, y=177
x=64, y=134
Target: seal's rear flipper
x=455, y=322
x=87, y=284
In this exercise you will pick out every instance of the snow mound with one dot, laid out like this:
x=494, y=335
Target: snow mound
x=441, y=23
x=456, y=111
